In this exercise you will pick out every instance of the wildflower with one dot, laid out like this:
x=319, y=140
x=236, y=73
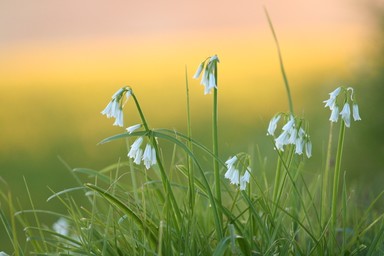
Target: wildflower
x=245, y=179
x=115, y=106
x=332, y=98
x=334, y=114
x=308, y=148
x=355, y=112
x=236, y=165
x=282, y=140
x=135, y=148
x=3, y=254
x=273, y=125
x=346, y=114
x=208, y=78
x=61, y=226
x=138, y=155
x=133, y=128
x=149, y=156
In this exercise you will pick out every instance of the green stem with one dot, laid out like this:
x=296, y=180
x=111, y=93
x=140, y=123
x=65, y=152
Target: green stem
x=326, y=172
x=191, y=177
x=216, y=149
x=336, y=179
x=281, y=63
x=164, y=177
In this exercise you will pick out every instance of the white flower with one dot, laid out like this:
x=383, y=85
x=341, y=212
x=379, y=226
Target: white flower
x=119, y=118
x=273, y=125
x=135, y=148
x=346, y=114
x=154, y=160
x=231, y=161
x=332, y=98
x=138, y=155
x=245, y=179
x=198, y=71
x=111, y=109
x=208, y=78
x=148, y=156
x=3, y=254
x=334, y=114
x=133, y=128
x=355, y=112
x=114, y=107
x=233, y=175
x=290, y=124
x=308, y=148
x=61, y=226
x=282, y=140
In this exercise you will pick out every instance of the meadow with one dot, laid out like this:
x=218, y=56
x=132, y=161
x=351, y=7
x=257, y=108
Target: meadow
x=210, y=186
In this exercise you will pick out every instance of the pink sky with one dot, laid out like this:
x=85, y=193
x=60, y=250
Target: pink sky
x=22, y=21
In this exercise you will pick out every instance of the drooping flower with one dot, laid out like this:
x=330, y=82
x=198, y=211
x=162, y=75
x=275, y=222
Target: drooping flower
x=138, y=155
x=61, y=226
x=346, y=114
x=273, y=125
x=135, y=147
x=334, y=114
x=308, y=148
x=115, y=106
x=208, y=78
x=236, y=165
x=149, y=156
x=133, y=128
x=332, y=98
x=245, y=179
x=355, y=112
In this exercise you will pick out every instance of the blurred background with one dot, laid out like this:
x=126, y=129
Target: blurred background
x=60, y=62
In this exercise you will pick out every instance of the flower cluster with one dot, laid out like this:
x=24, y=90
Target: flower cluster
x=208, y=78
x=148, y=156
x=345, y=113
x=115, y=106
x=235, y=165
x=292, y=134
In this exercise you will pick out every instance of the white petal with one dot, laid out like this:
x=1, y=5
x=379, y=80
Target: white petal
x=133, y=128
x=273, y=125
x=334, y=114
x=198, y=71
x=355, y=112
x=308, y=148
x=346, y=114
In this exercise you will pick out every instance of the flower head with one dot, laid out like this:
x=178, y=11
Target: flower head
x=273, y=125
x=346, y=114
x=355, y=112
x=208, y=78
x=245, y=179
x=236, y=165
x=61, y=226
x=149, y=156
x=115, y=106
x=135, y=148
x=133, y=128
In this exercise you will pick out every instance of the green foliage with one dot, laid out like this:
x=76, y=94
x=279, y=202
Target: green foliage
x=183, y=205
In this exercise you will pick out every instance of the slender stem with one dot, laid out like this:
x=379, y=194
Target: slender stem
x=336, y=179
x=216, y=148
x=281, y=63
x=326, y=172
x=166, y=183
x=191, y=177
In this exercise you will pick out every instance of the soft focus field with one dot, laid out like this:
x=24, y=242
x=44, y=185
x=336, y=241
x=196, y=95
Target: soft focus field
x=52, y=92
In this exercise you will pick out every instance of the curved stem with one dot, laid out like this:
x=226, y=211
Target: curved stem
x=281, y=63
x=215, y=147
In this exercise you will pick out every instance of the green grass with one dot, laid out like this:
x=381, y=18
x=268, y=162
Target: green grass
x=183, y=204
